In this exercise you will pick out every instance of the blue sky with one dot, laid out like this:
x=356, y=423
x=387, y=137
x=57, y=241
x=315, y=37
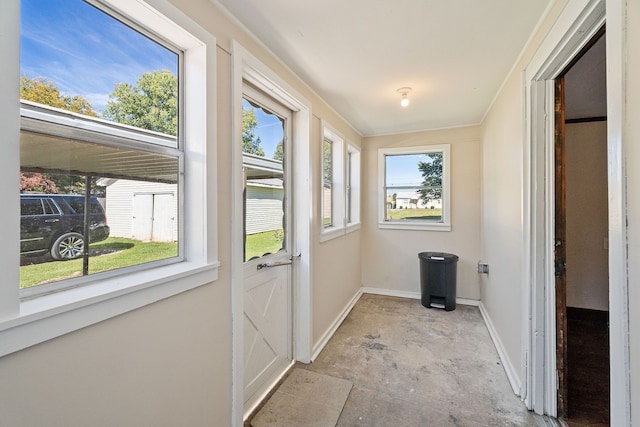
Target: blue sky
x=403, y=169
x=83, y=51
x=269, y=129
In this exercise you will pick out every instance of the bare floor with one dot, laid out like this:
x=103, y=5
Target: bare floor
x=413, y=366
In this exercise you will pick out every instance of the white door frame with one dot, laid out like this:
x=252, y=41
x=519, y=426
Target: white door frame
x=576, y=25
x=245, y=67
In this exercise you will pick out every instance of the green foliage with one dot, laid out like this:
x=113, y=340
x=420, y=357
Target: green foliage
x=151, y=104
x=44, y=91
x=327, y=160
x=279, y=152
x=432, y=177
x=250, y=142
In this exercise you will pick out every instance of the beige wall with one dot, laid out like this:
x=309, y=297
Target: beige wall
x=169, y=363
x=390, y=257
x=502, y=198
x=587, y=216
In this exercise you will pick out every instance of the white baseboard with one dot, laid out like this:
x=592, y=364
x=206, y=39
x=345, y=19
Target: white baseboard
x=412, y=295
x=512, y=375
x=334, y=327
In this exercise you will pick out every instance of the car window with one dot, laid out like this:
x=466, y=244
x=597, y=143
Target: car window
x=31, y=207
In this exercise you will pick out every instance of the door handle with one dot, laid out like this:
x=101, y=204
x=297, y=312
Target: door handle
x=274, y=264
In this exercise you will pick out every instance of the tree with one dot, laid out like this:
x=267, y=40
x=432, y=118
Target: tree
x=250, y=142
x=151, y=104
x=279, y=152
x=37, y=182
x=327, y=161
x=44, y=91
x=431, y=177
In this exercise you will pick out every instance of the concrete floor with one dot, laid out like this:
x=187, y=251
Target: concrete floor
x=413, y=366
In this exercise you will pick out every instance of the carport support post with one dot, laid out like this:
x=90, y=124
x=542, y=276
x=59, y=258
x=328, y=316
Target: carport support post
x=87, y=218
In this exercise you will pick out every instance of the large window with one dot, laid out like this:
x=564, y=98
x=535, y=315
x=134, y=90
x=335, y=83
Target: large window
x=120, y=103
x=114, y=186
x=414, y=188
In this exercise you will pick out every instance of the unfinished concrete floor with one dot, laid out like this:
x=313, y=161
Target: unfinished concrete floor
x=413, y=366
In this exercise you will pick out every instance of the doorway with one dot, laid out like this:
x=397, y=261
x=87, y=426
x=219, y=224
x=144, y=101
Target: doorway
x=267, y=236
x=581, y=237
x=257, y=86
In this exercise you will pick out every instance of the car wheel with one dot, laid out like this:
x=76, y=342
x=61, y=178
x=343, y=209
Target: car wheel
x=68, y=246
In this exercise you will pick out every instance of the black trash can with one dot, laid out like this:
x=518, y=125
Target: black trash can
x=438, y=279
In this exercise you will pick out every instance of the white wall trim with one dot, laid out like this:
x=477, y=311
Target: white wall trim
x=335, y=325
x=412, y=295
x=575, y=26
x=512, y=373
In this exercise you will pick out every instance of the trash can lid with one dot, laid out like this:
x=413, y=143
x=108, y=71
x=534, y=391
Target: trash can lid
x=438, y=257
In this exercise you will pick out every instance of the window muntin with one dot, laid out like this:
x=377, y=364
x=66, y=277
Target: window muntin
x=414, y=187
x=71, y=145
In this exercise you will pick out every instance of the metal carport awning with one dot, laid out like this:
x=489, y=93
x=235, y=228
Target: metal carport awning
x=59, y=141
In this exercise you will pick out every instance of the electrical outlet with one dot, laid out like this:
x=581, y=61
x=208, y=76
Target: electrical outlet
x=483, y=268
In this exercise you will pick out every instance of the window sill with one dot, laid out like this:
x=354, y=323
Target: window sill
x=53, y=315
x=331, y=233
x=353, y=227
x=414, y=226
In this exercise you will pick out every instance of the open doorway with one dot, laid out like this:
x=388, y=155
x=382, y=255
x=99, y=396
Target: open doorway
x=581, y=238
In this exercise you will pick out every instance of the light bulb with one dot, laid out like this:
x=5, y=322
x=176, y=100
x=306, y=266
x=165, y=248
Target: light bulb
x=404, y=91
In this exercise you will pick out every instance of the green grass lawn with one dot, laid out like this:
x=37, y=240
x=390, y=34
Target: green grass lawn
x=414, y=214
x=260, y=243
x=116, y=252
x=113, y=253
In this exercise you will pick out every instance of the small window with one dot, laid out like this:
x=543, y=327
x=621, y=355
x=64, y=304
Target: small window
x=333, y=190
x=353, y=187
x=327, y=183
x=414, y=188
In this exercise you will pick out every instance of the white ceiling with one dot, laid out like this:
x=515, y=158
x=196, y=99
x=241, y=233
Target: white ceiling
x=355, y=54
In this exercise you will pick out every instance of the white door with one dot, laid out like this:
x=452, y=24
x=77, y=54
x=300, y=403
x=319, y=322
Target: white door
x=267, y=239
x=164, y=218
x=142, y=217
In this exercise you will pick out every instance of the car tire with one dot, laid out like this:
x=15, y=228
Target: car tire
x=68, y=246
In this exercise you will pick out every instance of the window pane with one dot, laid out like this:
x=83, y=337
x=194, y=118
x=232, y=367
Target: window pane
x=99, y=143
x=77, y=58
x=263, y=162
x=414, y=187
x=327, y=187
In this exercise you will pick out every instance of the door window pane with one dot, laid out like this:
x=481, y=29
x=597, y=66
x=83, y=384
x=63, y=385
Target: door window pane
x=263, y=136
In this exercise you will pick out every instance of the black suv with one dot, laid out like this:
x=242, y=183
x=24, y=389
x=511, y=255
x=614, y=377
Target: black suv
x=54, y=223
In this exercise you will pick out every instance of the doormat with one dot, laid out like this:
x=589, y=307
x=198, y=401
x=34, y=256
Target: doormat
x=305, y=398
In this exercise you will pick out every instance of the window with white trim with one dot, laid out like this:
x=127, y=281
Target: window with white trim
x=108, y=195
x=333, y=181
x=83, y=152
x=414, y=189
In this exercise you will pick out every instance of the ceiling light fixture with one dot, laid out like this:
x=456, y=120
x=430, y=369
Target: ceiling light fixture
x=404, y=91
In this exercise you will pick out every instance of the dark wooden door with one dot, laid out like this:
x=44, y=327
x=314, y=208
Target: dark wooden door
x=560, y=248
